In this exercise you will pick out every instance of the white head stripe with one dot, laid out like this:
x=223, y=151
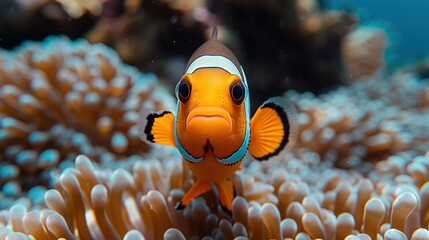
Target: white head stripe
x=210, y=61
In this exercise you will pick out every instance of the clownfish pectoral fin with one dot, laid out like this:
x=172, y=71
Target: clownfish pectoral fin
x=198, y=188
x=226, y=195
x=159, y=128
x=272, y=128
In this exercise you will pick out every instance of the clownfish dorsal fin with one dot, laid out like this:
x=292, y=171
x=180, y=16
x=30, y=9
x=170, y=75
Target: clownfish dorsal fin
x=272, y=128
x=157, y=128
x=214, y=33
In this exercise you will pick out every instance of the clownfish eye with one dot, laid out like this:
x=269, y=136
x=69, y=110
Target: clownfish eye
x=183, y=90
x=237, y=92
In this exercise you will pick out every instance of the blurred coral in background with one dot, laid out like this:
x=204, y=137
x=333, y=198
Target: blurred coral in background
x=364, y=52
x=297, y=45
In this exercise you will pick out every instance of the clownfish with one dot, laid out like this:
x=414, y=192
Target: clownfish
x=211, y=126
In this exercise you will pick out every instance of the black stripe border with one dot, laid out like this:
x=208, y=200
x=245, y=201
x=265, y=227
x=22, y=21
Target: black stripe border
x=150, y=120
x=286, y=129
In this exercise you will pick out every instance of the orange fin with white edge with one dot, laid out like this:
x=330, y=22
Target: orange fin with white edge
x=226, y=195
x=198, y=188
x=159, y=128
x=272, y=128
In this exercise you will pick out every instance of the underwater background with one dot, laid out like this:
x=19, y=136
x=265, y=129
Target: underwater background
x=75, y=76
x=406, y=21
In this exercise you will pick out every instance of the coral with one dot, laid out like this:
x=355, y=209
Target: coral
x=300, y=195
x=61, y=98
x=77, y=8
x=152, y=27
x=301, y=43
x=301, y=39
x=363, y=51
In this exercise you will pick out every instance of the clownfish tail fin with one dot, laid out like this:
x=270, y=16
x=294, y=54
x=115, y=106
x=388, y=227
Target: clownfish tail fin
x=214, y=33
x=157, y=128
x=273, y=128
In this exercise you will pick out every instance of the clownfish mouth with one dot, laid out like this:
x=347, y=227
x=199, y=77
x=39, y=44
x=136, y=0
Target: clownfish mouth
x=209, y=117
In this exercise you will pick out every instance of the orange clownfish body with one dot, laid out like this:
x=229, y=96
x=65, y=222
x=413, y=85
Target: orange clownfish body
x=211, y=126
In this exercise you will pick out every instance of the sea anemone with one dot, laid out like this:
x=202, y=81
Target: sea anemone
x=91, y=202
x=61, y=98
x=300, y=195
x=366, y=122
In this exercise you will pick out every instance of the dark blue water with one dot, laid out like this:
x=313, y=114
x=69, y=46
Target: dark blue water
x=408, y=19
